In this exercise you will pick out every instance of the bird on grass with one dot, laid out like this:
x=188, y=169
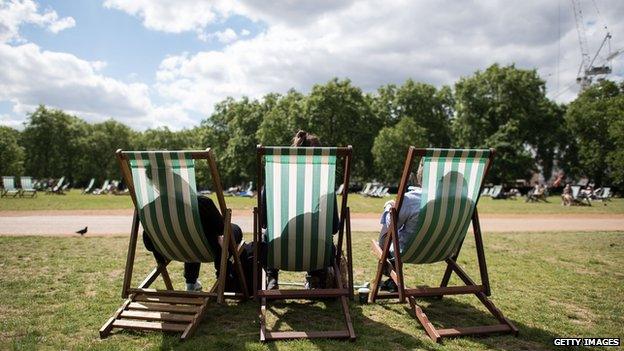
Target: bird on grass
x=82, y=231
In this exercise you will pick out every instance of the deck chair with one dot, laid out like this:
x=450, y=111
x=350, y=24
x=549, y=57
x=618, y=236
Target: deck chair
x=87, y=190
x=102, y=190
x=300, y=197
x=27, y=186
x=497, y=192
x=57, y=188
x=9, y=188
x=452, y=181
x=578, y=197
x=366, y=188
x=163, y=190
x=485, y=191
x=604, y=195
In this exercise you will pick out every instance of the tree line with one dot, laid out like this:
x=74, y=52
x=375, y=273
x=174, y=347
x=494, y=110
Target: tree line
x=501, y=107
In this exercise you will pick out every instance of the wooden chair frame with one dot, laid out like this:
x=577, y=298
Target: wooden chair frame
x=481, y=291
x=344, y=293
x=151, y=309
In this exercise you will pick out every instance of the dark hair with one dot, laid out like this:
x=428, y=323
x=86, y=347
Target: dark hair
x=303, y=138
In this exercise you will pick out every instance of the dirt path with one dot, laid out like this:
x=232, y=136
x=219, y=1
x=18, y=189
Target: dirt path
x=107, y=222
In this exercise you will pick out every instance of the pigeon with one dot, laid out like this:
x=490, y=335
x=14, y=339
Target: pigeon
x=82, y=231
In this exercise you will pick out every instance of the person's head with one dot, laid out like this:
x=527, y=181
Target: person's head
x=303, y=138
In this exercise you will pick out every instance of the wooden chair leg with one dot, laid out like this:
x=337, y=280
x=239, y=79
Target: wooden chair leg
x=349, y=255
x=165, y=275
x=344, y=303
x=424, y=320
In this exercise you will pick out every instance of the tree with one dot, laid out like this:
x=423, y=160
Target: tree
x=391, y=145
x=98, y=150
x=52, y=142
x=430, y=108
x=338, y=113
x=283, y=120
x=11, y=154
x=595, y=122
x=232, y=130
x=507, y=108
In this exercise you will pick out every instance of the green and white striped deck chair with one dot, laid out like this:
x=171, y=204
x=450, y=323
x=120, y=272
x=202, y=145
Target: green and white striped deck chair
x=163, y=190
x=300, y=198
x=451, y=184
x=87, y=190
x=8, y=187
x=28, y=186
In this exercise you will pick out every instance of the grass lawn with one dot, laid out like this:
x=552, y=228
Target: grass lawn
x=57, y=292
x=359, y=204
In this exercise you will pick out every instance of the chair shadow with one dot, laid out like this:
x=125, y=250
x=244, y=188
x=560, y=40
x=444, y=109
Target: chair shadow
x=448, y=312
x=231, y=328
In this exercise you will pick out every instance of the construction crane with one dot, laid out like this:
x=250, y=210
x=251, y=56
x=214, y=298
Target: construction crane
x=588, y=68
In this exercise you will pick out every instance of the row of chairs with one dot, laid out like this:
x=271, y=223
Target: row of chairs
x=300, y=197
x=373, y=190
x=585, y=197
x=10, y=188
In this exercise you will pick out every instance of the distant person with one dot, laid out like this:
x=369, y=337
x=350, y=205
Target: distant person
x=406, y=222
x=317, y=278
x=566, y=197
x=213, y=226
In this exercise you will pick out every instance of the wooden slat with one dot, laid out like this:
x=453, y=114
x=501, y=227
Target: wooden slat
x=157, y=316
x=486, y=329
x=170, y=299
x=173, y=293
x=158, y=307
x=142, y=325
x=339, y=334
x=427, y=291
x=302, y=294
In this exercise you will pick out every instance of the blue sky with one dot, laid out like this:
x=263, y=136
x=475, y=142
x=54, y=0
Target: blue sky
x=151, y=63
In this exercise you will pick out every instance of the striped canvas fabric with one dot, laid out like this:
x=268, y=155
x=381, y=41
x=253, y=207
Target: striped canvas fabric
x=26, y=183
x=300, y=192
x=451, y=183
x=8, y=183
x=166, y=197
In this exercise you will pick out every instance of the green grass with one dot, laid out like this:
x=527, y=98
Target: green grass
x=57, y=292
x=358, y=204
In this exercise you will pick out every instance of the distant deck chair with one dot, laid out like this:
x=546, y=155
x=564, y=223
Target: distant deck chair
x=300, y=198
x=452, y=181
x=247, y=192
x=485, y=191
x=8, y=187
x=381, y=192
x=58, y=187
x=366, y=188
x=604, y=195
x=339, y=190
x=104, y=189
x=497, y=192
x=163, y=190
x=87, y=190
x=371, y=191
x=27, y=186
x=578, y=197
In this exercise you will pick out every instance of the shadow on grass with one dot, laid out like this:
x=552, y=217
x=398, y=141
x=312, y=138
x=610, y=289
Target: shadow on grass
x=448, y=312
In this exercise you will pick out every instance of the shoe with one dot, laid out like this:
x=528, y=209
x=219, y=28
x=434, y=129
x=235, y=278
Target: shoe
x=194, y=286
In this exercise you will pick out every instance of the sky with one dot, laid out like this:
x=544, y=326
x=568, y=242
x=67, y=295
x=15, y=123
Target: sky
x=153, y=63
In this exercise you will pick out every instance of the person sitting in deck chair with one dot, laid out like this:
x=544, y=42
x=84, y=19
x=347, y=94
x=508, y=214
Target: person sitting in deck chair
x=317, y=278
x=213, y=226
x=566, y=197
x=407, y=221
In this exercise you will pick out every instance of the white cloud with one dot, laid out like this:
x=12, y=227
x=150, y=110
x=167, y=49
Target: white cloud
x=225, y=37
x=14, y=13
x=435, y=42
x=245, y=32
x=174, y=16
